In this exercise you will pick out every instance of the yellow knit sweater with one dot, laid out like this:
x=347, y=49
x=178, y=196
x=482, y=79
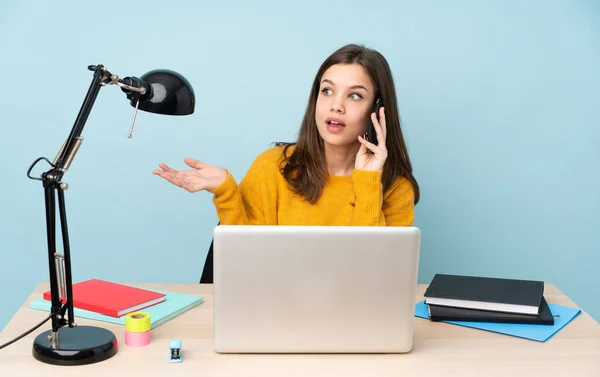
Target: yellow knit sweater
x=264, y=197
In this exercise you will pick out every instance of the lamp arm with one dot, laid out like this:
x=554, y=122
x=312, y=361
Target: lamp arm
x=134, y=87
x=67, y=152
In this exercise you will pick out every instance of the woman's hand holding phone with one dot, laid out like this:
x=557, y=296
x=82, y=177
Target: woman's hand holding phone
x=371, y=156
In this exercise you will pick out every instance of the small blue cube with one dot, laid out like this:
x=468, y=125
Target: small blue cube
x=175, y=346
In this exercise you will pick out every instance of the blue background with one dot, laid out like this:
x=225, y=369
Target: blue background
x=499, y=103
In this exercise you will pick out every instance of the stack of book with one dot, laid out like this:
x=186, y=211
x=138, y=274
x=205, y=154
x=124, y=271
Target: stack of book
x=111, y=299
x=106, y=301
x=486, y=299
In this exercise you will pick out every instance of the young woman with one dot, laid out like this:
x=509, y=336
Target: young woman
x=331, y=175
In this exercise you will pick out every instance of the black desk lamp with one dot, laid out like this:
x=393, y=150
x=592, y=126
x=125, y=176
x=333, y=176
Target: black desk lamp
x=158, y=91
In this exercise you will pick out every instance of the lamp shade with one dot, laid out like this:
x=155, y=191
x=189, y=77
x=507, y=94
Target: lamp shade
x=170, y=93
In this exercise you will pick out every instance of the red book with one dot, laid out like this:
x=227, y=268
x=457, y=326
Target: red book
x=111, y=299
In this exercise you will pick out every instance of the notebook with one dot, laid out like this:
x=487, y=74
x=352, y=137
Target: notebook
x=174, y=305
x=112, y=299
x=486, y=293
x=441, y=313
x=541, y=333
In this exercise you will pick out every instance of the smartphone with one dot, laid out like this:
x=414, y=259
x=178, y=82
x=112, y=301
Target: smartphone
x=371, y=135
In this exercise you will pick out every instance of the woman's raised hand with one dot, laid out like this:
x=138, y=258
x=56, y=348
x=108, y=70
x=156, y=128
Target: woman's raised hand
x=201, y=177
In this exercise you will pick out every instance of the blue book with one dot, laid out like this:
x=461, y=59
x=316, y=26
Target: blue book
x=174, y=305
x=541, y=333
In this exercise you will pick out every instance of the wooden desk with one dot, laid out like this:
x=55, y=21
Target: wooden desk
x=440, y=349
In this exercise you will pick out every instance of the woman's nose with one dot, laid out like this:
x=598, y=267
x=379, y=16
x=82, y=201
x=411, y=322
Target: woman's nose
x=337, y=106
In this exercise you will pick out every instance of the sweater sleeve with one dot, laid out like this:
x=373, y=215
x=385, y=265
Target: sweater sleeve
x=253, y=201
x=373, y=207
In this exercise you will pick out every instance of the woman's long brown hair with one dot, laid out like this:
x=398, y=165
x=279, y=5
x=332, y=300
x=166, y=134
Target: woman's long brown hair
x=306, y=170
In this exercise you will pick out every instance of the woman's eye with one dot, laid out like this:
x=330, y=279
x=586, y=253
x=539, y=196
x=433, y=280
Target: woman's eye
x=355, y=96
x=326, y=91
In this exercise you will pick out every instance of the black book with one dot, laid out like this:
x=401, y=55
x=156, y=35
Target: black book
x=446, y=313
x=486, y=293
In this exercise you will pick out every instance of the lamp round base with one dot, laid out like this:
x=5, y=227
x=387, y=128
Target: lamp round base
x=78, y=345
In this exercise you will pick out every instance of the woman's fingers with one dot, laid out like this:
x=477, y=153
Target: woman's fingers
x=169, y=174
x=363, y=147
x=166, y=168
x=382, y=122
x=171, y=177
x=194, y=163
x=367, y=145
x=163, y=174
x=380, y=127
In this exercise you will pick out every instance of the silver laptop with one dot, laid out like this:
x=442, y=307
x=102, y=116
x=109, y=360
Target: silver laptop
x=314, y=289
